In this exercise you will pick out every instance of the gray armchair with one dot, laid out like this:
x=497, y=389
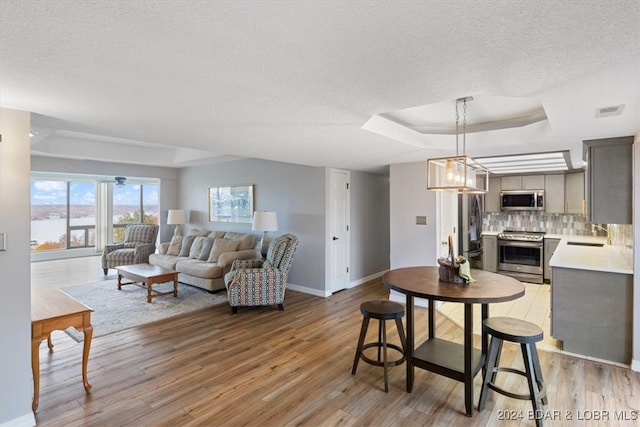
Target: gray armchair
x=139, y=243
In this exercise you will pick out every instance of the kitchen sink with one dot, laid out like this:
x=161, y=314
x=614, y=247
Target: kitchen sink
x=595, y=245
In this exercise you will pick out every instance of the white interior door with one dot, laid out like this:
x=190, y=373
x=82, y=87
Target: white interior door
x=448, y=220
x=339, y=211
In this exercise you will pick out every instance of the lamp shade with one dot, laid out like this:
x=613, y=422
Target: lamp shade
x=176, y=216
x=264, y=221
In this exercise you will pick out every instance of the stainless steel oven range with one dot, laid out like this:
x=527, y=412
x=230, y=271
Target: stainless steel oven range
x=521, y=255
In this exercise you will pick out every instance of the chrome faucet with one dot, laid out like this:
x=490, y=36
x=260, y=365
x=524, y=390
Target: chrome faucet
x=606, y=229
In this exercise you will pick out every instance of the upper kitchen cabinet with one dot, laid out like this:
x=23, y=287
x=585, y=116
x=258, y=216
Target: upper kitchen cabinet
x=492, y=197
x=554, y=194
x=524, y=182
x=608, y=180
x=564, y=193
x=574, y=193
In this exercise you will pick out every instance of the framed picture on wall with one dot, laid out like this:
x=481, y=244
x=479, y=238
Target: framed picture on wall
x=231, y=204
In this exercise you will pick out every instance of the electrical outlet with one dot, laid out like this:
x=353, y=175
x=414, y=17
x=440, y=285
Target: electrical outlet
x=3, y=241
x=421, y=220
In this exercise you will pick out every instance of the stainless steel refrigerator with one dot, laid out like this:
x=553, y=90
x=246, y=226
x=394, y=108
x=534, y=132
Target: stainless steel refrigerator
x=470, y=227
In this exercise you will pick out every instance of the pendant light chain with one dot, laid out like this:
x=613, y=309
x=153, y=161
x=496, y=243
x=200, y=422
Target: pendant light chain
x=464, y=127
x=457, y=120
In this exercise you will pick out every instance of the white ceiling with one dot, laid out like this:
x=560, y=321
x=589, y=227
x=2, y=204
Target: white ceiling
x=176, y=83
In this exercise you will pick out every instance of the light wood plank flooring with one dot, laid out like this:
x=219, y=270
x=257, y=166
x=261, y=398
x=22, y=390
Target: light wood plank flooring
x=534, y=307
x=266, y=367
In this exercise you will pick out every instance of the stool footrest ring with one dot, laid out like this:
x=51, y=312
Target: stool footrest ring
x=541, y=387
x=381, y=363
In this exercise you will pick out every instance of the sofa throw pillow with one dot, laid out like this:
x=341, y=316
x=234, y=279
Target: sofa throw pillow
x=246, y=240
x=196, y=247
x=175, y=245
x=187, y=241
x=194, y=232
x=222, y=246
x=207, y=244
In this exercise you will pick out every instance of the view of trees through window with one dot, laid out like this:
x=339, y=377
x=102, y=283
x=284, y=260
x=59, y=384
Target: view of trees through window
x=63, y=213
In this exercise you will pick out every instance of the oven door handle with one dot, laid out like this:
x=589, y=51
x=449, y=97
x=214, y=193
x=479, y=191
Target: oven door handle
x=520, y=244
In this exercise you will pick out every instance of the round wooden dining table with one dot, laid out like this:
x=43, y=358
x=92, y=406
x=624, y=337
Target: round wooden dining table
x=460, y=362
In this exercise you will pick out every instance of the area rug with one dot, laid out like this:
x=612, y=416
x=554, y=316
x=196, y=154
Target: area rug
x=116, y=310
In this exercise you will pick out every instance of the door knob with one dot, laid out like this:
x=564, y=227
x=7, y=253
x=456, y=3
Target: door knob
x=335, y=238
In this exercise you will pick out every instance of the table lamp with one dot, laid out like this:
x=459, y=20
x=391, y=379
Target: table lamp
x=265, y=221
x=177, y=217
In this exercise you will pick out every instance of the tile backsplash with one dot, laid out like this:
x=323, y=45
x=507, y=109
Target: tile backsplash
x=576, y=225
x=535, y=221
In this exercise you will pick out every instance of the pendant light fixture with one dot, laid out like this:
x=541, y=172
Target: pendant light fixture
x=458, y=173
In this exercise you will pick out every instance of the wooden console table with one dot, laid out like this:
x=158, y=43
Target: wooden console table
x=51, y=310
x=460, y=362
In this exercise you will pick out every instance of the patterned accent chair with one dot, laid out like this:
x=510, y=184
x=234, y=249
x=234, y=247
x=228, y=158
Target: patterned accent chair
x=262, y=282
x=139, y=243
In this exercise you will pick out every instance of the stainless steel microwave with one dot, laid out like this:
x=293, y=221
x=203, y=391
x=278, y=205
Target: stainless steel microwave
x=522, y=200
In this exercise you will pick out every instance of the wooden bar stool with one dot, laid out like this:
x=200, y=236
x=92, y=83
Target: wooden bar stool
x=526, y=334
x=382, y=310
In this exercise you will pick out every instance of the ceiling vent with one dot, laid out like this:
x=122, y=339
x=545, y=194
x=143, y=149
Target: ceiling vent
x=614, y=110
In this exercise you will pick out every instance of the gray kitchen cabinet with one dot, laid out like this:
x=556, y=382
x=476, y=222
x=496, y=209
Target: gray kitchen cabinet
x=564, y=193
x=591, y=313
x=554, y=193
x=492, y=197
x=490, y=253
x=574, y=193
x=522, y=182
x=608, y=180
x=550, y=246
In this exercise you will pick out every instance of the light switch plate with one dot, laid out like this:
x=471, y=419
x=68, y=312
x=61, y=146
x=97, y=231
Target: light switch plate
x=421, y=220
x=3, y=241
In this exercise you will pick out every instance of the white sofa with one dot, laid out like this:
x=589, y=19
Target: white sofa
x=205, y=270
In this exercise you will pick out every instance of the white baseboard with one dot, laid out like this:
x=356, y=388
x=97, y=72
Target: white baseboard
x=27, y=420
x=326, y=293
x=369, y=278
x=635, y=365
x=307, y=290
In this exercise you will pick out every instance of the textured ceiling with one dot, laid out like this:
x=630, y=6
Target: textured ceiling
x=185, y=82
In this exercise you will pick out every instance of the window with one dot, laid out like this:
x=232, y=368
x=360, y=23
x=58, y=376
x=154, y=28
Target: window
x=64, y=211
x=48, y=215
x=82, y=214
x=133, y=204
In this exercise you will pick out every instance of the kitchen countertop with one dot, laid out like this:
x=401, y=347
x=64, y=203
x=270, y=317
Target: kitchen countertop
x=554, y=236
x=607, y=258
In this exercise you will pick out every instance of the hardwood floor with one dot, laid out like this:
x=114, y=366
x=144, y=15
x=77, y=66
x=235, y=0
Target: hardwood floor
x=293, y=367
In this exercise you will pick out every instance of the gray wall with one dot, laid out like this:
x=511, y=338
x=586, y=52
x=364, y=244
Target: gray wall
x=369, y=225
x=412, y=244
x=16, y=382
x=295, y=192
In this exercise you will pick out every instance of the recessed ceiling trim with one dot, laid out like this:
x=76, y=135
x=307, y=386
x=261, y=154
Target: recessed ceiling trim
x=515, y=122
